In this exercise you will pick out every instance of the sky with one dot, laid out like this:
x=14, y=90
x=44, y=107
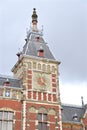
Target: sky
x=64, y=29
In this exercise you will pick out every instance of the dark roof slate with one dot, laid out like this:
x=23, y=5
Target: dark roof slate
x=14, y=82
x=69, y=111
x=32, y=46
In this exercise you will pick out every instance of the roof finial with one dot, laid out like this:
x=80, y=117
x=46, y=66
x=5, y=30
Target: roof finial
x=82, y=101
x=18, y=54
x=34, y=15
x=34, y=20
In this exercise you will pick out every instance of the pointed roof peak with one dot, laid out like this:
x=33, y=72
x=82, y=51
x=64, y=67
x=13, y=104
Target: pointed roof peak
x=35, y=42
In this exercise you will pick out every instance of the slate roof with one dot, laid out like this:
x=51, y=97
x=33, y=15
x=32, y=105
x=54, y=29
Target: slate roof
x=35, y=41
x=14, y=82
x=70, y=111
x=32, y=46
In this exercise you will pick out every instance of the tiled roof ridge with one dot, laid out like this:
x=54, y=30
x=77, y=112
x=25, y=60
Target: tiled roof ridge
x=71, y=105
x=9, y=76
x=72, y=122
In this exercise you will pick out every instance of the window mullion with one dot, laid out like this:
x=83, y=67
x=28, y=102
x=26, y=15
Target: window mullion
x=6, y=120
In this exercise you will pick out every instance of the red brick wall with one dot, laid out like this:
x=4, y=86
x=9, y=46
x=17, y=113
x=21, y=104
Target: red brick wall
x=16, y=107
x=32, y=117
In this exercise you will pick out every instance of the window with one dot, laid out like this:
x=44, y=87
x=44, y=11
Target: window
x=44, y=67
x=7, y=93
x=42, y=121
x=48, y=68
x=6, y=120
x=39, y=66
x=53, y=69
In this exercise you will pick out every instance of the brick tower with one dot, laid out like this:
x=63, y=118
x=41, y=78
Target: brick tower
x=38, y=71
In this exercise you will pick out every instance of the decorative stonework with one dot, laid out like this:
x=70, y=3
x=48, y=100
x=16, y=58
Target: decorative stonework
x=42, y=110
x=10, y=93
x=32, y=110
x=6, y=109
x=51, y=112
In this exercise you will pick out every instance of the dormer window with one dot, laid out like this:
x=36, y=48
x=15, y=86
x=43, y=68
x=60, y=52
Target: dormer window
x=75, y=117
x=37, y=39
x=41, y=52
x=7, y=82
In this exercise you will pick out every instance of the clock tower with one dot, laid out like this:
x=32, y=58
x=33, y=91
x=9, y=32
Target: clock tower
x=38, y=71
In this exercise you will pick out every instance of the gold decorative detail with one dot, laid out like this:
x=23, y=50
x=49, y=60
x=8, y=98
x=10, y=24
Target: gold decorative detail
x=52, y=112
x=32, y=109
x=42, y=110
x=6, y=109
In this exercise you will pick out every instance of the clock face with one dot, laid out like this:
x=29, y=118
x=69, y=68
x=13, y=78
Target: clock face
x=42, y=81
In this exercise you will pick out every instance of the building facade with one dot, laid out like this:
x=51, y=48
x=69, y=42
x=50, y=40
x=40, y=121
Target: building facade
x=31, y=98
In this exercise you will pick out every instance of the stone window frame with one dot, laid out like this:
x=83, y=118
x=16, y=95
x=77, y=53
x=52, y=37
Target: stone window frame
x=6, y=119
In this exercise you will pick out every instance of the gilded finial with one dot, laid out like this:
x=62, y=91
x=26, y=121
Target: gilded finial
x=34, y=15
x=34, y=20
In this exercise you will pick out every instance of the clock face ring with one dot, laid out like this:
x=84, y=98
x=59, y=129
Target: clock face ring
x=41, y=81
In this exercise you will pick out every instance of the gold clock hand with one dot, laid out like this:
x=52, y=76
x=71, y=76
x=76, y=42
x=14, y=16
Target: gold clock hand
x=44, y=81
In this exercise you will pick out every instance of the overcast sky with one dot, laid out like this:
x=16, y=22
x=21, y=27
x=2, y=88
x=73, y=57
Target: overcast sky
x=65, y=30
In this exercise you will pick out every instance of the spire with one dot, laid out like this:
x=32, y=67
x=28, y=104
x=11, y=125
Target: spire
x=34, y=20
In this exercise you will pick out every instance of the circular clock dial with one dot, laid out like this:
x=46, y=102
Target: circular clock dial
x=41, y=81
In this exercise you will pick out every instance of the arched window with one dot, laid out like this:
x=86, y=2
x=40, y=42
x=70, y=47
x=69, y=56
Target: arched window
x=48, y=68
x=6, y=120
x=34, y=65
x=53, y=69
x=44, y=67
x=39, y=66
x=42, y=119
